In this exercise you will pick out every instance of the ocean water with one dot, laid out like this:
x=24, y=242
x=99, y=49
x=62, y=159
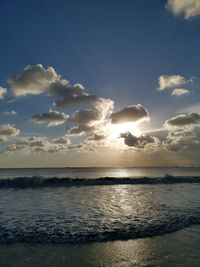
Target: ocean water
x=179, y=249
x=53, y=206
x=98, y=172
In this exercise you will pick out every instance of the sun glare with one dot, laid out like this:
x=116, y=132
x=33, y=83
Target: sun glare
x=116, y=129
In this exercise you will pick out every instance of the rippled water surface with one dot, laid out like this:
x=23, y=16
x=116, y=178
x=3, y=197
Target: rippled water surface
x=96, y=213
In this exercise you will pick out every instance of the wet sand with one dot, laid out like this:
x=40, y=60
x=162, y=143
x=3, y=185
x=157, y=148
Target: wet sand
x=176, y=249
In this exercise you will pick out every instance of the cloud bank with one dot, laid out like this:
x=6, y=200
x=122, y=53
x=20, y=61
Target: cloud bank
x=93, y=123
x=38, y=145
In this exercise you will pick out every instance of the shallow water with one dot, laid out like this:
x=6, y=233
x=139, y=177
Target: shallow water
x=180, y=249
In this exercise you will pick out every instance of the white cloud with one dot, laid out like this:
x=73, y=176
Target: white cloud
x=7, y=131
x=168, y=81
x=10, y=113
x=187, y=8
x=37, y=80
x=38, y=145
x=2, y=92
x=33, y=80
x=52, y=118
x=130, y=114
x=182, y=139
x=180, y=92
x=81, y=129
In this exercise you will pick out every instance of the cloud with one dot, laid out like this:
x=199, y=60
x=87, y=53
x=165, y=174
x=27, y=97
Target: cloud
x=130, y=114
x=141, y=142
x=75, y=146
x=168, y=81
x=97, y=137
x=181, y=133
x=7, y=131
x=37, y=80
x=86, y=116
x=80, y=129
x=180, y=140
x=2, y=92
x=180, y=92
x=38, y=145
x=33, y=80
x=75, y=99
x=52, y=118
x=182, y=120
x=10, y=113
x=90, y=120
x=61, y=141
x=71, y=94
x=187, y=8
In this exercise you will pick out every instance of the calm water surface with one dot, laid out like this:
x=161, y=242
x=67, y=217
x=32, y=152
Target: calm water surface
x=98, y=172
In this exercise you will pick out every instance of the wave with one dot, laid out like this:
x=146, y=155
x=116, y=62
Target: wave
x=37, y=182
x=78, y=236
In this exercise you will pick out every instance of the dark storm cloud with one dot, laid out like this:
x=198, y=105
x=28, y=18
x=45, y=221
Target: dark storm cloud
x=130, y=114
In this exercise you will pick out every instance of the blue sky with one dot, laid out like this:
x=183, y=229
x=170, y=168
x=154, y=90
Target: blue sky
x=116, y=49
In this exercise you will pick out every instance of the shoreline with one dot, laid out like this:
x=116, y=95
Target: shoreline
x=175, y=249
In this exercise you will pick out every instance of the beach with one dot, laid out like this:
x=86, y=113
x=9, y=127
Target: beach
x=133, y=220
x=176, y=249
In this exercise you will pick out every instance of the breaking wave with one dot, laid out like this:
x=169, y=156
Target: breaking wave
x=37, y=182
x=77, y=236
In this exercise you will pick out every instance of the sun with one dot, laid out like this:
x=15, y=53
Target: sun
x=115, y=130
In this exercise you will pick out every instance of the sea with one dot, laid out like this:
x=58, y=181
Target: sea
x=100, y=217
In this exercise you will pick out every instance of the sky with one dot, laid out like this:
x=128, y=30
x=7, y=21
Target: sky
x=99, y=83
